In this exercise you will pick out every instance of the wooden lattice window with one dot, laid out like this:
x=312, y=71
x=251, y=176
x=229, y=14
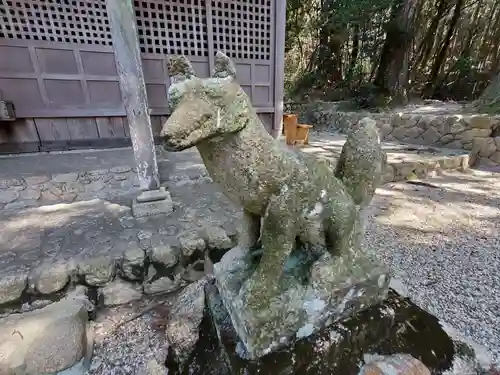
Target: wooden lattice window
x=242, y=28
x=172, y=27
x=65, y=21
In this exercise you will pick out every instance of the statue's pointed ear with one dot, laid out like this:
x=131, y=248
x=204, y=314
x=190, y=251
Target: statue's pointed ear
x=179, y=69
x=223, y=67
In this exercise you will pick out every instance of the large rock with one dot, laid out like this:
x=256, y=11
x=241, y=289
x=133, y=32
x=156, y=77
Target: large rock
x=480, y=122
x=52, y=277
x=431, y=136
x=162, y=253
x=132, y=264
x=183, y=326
x=484, y=147
x=470, y=134
x=44, y=341
x=98, y=270
x=12, y=284
x=191, y=242
x=217, y=238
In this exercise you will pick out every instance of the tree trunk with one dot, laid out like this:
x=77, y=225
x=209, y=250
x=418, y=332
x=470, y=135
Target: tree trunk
x=354, y=53
x=392, y=74
x=472, y=30
x=425, y=47
x=489, y=101
x=431, y=82
x=329, y=61
x=484, y=46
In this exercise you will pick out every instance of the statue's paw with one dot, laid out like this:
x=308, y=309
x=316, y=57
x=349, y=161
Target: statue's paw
x=233, y=259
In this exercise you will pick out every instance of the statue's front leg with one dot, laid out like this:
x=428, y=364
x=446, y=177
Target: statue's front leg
x=248, y=238
x=278, y=240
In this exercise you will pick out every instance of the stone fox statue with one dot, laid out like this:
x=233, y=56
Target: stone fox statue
x=286, y=196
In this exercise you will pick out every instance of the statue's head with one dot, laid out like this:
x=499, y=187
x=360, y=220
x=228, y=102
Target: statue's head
x=203, y=108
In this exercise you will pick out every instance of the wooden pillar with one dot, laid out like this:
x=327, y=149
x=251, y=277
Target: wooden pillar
x=133, y=88
x=279, y=65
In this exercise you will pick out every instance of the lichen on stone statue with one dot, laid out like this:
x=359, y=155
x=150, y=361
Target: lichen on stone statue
x=291, y=202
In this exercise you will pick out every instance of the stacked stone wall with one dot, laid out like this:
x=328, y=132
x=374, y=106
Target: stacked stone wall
x=477, y=133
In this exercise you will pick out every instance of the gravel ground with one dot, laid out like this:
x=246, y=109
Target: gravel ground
x=134, y=348
x=443, y=242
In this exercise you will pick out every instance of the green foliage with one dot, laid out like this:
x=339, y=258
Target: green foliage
x=334, y=47
x=310, y=65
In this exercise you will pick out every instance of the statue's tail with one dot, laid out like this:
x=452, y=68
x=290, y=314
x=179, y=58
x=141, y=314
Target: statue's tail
x=361, y=162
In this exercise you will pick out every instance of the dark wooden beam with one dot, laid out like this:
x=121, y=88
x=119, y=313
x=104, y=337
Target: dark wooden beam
x=133, y=88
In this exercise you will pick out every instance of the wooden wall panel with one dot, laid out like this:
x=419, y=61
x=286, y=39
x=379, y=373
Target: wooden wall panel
x=52, y=129
x=111, y=127
x=19, y=136
x=82, y=129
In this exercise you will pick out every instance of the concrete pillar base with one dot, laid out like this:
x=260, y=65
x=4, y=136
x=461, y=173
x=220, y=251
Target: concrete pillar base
x=153, y=202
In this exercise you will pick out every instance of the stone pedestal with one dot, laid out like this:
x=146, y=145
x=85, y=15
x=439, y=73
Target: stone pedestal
x=389, y=328
x=153, y=202
x=311, y=297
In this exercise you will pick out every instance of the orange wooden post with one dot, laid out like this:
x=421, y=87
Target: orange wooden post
x=290, y=128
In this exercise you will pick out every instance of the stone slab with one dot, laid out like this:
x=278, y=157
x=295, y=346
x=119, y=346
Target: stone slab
x=153, y=195
x=336, y=288
x=395, y=325
x=153, y=207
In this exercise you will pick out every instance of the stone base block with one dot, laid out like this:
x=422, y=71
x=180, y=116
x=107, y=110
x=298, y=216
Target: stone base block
x=312, y=295
x=153, y=195
x=154, y=207
x=393, y=326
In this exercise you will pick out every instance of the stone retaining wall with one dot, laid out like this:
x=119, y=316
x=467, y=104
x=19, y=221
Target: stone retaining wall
x=101, y=246
x=477, y=133
x=33, y=191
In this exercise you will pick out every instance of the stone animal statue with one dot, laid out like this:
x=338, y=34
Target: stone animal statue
x=285, y=195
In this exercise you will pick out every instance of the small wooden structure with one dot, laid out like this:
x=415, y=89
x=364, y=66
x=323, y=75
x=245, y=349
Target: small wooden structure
x=295, y=133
